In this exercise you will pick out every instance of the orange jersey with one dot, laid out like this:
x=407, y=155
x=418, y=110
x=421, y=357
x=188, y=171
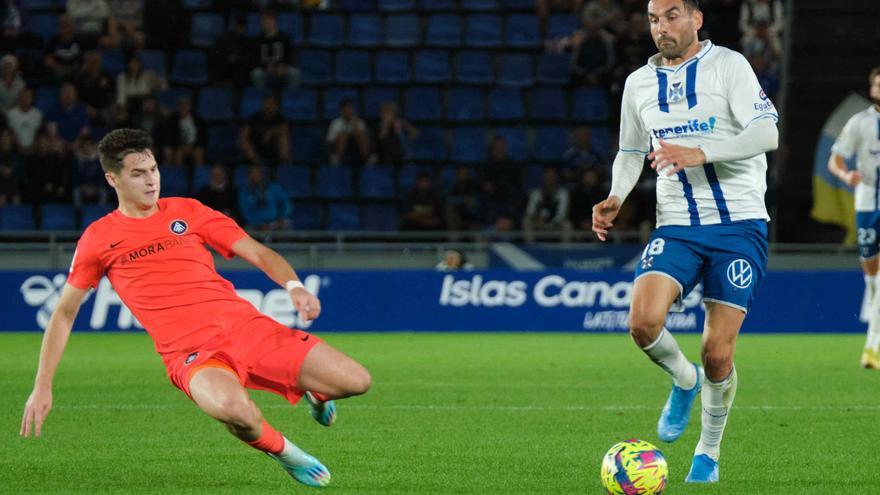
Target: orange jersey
x=163, y=272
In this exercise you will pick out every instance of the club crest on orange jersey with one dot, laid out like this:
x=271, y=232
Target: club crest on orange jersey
x=178, y=227
x=192, y=357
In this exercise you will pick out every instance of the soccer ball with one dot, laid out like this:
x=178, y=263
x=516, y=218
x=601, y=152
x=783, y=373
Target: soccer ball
x=634, y=467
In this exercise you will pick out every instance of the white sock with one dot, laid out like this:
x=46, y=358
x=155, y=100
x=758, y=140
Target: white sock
x=870, y=290
x=717, y=397
x=293, y=455
x=665, y=352
x=873, y=340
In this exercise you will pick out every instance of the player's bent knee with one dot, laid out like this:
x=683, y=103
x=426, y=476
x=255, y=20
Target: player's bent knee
x=360, y=381
x=239, y=413
x=644, y=328
x=717, y=363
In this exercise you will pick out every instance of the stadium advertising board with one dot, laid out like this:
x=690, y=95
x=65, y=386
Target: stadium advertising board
x=494, y=300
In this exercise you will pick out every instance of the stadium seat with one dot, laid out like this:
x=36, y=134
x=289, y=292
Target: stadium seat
x=306, y=216
x=437, y=5
x=534, y=176
x=528, y=5
x=365, y=30
x=343, y=216
x=553, y=68
x=590, y=105
x=464, y=105
x=376, y=182
x=517, y=142
x=58, y=216
x=506, y=104
x=550, y=144
x=299, y=104
x=189, y=67
x=314, y=66
x=358, y=5
x=201, y=178
x=353, y=67
x=601, y=140
x=432, y=66
x=423, y=104
x=44, y=25
x=375, y=96
x=197, y=4
x=380, y=218
x=17, y=217
x=46, y=98
x=334, y=96
x=251, y=102
x=154, y=60
x=561, y=25
x=516, y=70
x=307, y=144
x=327, y=30
x=406, y=178
x=447, y=176
x=469, y=145
x=444, y=30
x=396, y=5
x=113, y=61
x=174, y=181
x=429, y=145
x=222, y=144
x=483, y=31
x=402, y=30
x=168, y=98
x=295, y=180
x=521, y=31
x=480, y=5
x=90, y=213
x=474, y=67
x=44, y=4
x=216, y=104
x=334, y=182
x=289, y=23
x=205, y=28
x=548, y=104
x=392, y=67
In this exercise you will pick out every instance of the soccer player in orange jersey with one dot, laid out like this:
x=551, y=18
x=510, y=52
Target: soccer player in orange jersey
x=214, y=344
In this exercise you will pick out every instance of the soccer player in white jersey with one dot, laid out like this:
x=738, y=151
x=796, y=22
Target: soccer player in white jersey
x=861, y=138
x=697, y=112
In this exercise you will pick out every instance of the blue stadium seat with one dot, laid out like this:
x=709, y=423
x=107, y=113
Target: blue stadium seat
x=423, y=104
x=44, y=25
x=353, y=67
x=251, y=102
x=534, y=176
x=44, y=4
x=154, y=60
x=113, y=61
x=174, y=181
x=437, y=5
x=90, y=213
x=190, y=67
x=550, y=144
x=296, y=180
x=375, y=96
x=306, y=216
x=548, y=104
x=429, y=145
x=58, y=216
x=365, y=30
x=469, y=145
x=432, y=66
x=222, y=144
x=480, y=5
x=590, y=105
x=168, y=98
x=392, y=67
x=521, y=31
x=506, y=104
x=314, y=66
x=299, y=104
x=443, y=30
x=517, y=142
x=216, y=104
x=358, y=5
x=201, y=178
x=402, y=30
x=559, y=25
x=464, y=105
x=483, y=31
x=327, y=30
x=474, y=67
x=197, y=4
x=553, y=68
x=343, y=216
x=334, y=96
x=307, y=144
x=205, y=28
x=447, y=176
x=334, y=182
x=516, y=70
x=518, y=5
x=46, y=98
x=380, y=218
x=291, y=24
x=376, y=182
x=396, y=5
x=406, y=178
x=253, y=26
x=601, y=140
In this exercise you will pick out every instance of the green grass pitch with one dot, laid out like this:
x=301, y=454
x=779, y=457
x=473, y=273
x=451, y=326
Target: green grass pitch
x=448, y=414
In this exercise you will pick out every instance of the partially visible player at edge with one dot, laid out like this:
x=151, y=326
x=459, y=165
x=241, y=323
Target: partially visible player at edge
x=861, y=138
x=214, y=344
x=697, y=112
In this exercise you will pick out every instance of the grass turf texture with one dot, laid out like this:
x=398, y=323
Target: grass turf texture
x=456, y=413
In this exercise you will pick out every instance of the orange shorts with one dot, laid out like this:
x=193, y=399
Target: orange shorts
x=263, y=354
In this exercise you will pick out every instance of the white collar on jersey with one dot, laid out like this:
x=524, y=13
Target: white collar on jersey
x=705, y=47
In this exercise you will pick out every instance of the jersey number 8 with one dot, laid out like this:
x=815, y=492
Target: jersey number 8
x=867, y=236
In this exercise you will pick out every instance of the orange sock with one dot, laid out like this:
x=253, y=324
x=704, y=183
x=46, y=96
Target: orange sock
x=320, y=397
x=270, y=441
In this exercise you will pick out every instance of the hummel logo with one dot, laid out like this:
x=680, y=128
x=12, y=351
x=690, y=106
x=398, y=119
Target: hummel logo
x=305, y=338
x=114, y=244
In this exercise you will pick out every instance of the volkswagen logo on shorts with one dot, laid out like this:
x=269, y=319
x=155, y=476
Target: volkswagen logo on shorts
x=739, y=273
x=178, y=227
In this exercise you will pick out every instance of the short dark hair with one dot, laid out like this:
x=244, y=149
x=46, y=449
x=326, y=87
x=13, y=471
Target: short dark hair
x=116, y=145
x=691, y=5
x=874, y=73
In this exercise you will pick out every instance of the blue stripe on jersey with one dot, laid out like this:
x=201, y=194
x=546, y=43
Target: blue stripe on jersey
x=661, y=92
x=689, y=196
x=720, y=202
x=877, y=189
x=878, y=128
x=692, y=84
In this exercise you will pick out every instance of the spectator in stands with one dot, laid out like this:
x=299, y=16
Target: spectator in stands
x=136, y=84
x=219, y=193
x=543, y=8
x=11, y=83
x=767, y=77
x=502, y=188
x=593, y=58
x=184, y=135
x=765, y=12
x=96, y=89
x=395, y=134
x=9, y=156
x=463, y=203
x=585, y=193
x=348, y=137
x=453, y=261
x=547, y=207
x=761, y=41
x=422, y=207
x=14, y=35
x=275, y=55
x=148, y=118
x=125, y=24
x=581, y=154
x=69, y=119
x=89, y=185
x=231, y=58
x=64, y=53
x=263, y=204
x=24, y=121
x=634, y=46
x=605, y=13
x=265, y=138
x=166, y=23
x=90, y=18
x=10, y=193
x=47, y=172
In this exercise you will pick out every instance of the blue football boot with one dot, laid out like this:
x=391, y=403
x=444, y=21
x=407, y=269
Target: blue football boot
x=677, y=412
x=704, y=469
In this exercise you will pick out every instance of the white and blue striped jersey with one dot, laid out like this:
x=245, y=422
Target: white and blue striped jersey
x=708, y=98
x=860, y=137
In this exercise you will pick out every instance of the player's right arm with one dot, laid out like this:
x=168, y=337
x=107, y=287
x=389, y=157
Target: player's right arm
x=844, y=147
x=838, y=168
x=54, y=341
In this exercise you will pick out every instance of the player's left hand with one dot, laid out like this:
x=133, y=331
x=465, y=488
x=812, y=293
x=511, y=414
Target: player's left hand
x=675, y=156
x=308, y=306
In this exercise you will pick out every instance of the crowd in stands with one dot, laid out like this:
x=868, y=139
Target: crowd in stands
x=492, y=115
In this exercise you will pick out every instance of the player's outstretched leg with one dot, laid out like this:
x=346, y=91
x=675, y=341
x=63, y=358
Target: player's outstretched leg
x=871, y=353
x=328, y=374
x=218, y=392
